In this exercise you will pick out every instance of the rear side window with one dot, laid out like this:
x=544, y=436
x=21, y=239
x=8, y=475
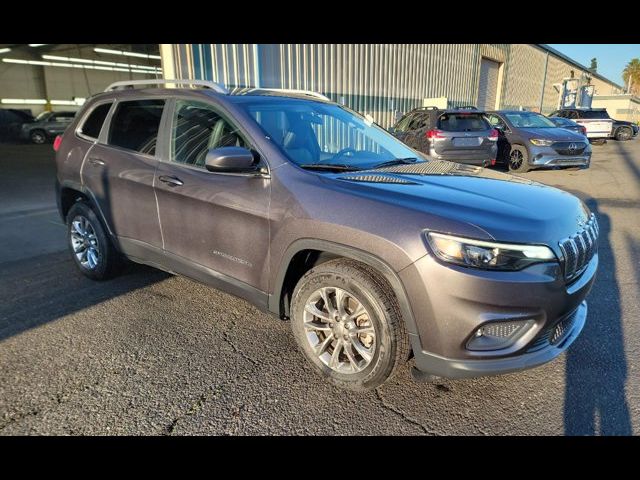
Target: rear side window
x=462, y=122
x=93, y=124
x=596, y=114
x=135, y=125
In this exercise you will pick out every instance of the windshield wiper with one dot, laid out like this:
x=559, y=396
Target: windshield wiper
x=329, y=166
x=396, y=161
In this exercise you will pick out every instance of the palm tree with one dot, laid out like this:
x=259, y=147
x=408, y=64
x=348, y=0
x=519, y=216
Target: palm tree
x=631, y=76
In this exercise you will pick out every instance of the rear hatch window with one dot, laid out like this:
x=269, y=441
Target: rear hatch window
x=462, y=122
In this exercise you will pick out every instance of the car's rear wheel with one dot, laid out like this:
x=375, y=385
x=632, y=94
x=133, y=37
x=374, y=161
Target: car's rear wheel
x=91, y=248
x=518, y=159
x=348, y=324
x=38, y=137
x=623, y=134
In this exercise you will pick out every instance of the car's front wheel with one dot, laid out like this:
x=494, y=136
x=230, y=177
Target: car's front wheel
x=89, y=244
x=348, y=324
x=518, y=159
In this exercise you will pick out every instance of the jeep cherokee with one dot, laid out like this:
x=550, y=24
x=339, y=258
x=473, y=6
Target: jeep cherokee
x=314, y=213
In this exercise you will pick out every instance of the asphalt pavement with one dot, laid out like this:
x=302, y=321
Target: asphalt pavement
x=154, y=354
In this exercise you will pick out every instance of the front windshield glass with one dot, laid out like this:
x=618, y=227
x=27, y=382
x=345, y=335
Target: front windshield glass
x=529, y=120
x=314, y=133
x=43, y=116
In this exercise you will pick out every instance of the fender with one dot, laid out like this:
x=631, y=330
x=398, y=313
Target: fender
x=92, y=200
x=349, y=252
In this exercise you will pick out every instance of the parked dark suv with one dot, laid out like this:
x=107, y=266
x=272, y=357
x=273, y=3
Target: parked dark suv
x=314, y=213
x=529, y=140
x=459, y=135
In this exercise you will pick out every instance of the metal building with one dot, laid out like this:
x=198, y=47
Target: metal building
x=385, y=80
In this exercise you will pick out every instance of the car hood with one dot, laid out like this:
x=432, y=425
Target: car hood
x=506, y=207
x=558, y=134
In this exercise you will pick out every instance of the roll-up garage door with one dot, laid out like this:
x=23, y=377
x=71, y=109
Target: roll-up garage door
x=488, y=88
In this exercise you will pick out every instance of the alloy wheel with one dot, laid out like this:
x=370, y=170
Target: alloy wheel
x=38, y=138
x=85, y=243
x=515, y=159
x=339, y=330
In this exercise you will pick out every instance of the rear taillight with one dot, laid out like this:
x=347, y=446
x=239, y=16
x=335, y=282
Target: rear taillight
x=57, y=142
x=493, y=162
x=494, y=134
x=583, y=130
x=434, y=133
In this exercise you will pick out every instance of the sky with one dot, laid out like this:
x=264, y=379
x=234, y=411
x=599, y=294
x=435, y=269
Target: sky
x=612, y=58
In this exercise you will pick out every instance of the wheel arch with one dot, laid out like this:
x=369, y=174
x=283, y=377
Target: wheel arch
x=303, y=254
x=71, y=192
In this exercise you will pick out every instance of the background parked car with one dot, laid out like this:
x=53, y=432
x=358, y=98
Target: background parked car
x=458, y=135
x=596, y=120
x=623, y=130
x=46, y=126
x=529, y=140
x=10, y=122
x=567, y=124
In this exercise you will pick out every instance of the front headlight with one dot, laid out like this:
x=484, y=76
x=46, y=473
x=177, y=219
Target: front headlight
x=541, y=142
x=487, y=255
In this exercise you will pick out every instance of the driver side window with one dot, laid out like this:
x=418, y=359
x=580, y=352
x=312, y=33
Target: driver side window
x=197, y=128
x=402, y=125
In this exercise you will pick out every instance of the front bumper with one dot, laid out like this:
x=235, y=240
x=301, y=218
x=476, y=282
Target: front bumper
x=549, y=157
x=449, y=309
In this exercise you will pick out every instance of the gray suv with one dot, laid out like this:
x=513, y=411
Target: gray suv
x=312, y=212
x=46, y=126
x=459, y=135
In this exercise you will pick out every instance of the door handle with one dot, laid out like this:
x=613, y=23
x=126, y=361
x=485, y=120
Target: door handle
x=171, y=180
x=96, y=161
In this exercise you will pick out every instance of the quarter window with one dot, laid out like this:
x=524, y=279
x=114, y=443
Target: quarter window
x=135, y=125
x=197, y=128
x=93, y=124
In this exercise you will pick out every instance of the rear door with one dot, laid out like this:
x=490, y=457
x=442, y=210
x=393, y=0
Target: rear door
x=119, y=169
x=218, y=221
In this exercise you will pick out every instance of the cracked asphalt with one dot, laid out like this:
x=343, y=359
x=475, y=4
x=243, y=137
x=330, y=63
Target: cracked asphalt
x=149, y=353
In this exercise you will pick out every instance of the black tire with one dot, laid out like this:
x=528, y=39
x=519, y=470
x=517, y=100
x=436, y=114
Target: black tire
x=109, y=261
x=623, y=134
x=38, y=137
x=391, y=348
x=518, y=160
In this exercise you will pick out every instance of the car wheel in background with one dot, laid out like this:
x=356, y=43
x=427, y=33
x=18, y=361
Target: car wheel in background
x=348, y=324
x=623, y=134
x=38, y=137
x=89, y=244
x=518, y=159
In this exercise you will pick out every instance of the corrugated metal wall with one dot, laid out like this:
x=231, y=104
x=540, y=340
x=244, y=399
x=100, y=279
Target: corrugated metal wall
x=383, y=79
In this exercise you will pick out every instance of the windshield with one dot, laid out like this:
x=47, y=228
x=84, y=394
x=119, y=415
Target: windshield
x=43, y=116
x=462, y=122
x=529, y=120
x=312, y=133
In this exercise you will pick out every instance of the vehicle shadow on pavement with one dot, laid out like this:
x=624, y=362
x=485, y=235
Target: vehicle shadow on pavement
x=596, y=368
x=47, y=287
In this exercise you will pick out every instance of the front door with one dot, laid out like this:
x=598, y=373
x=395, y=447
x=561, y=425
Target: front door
x=214, y=220
x=119, y=170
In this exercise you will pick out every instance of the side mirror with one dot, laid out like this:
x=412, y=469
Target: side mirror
x=230, y=160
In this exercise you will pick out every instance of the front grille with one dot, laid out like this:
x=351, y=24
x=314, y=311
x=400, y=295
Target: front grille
x=579, y=249
x=569, y=148
x=554, y=334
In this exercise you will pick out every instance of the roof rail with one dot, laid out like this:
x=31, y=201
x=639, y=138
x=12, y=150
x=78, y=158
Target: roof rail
x=309, y=93
x=199, y=83
x=467, y=107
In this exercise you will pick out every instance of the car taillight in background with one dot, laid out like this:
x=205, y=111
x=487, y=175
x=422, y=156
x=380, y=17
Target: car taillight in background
x=434, y=133
x=584, y=131
x=494, y=134
x=57, y=142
